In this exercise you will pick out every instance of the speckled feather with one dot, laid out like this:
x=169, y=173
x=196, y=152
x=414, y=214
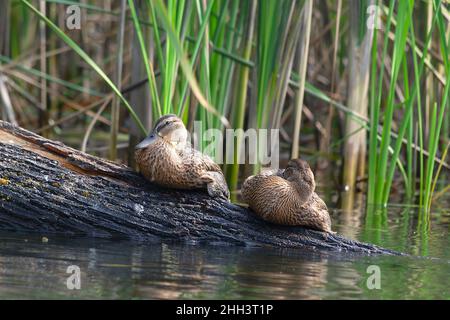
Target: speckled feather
x=277, y=200
x=169, y=165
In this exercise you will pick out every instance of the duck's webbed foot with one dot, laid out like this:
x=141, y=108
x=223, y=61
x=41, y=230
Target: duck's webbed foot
x=216, y=185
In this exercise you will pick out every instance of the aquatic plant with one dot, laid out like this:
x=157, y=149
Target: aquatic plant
x=344, y=81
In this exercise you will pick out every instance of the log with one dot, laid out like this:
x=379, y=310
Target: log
x=49, y=188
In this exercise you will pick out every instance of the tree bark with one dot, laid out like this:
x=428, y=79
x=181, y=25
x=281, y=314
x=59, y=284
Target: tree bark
x=49, y=188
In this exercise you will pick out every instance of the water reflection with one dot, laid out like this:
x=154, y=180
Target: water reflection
x=30, y=268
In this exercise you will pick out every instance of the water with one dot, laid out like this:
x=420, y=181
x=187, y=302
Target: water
x=31, y=267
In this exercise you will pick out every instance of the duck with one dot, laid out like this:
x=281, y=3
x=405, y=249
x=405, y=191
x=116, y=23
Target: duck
x=166, y=158
x=287, y=197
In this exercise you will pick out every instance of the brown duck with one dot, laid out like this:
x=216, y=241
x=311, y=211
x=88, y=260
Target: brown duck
x=287, y=197
x=166, y=158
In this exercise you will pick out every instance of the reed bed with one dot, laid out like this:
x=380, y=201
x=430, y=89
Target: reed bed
x=345, y=82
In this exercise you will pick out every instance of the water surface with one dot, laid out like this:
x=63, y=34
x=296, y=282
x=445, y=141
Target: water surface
x=32, y=267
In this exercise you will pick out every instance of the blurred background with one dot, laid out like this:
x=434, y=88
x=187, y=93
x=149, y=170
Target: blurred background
x=358, y=88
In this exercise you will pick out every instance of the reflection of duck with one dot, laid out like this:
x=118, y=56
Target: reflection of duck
x=287, y=197
x=166, y=158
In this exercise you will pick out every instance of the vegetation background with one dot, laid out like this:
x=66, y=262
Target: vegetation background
x=359, y=88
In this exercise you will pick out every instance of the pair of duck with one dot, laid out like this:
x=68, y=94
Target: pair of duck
x=284, y=197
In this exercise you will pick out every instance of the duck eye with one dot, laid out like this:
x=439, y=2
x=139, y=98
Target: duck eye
x=167, y=122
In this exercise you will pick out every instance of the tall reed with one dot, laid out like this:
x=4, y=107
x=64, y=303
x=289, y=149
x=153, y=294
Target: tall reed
x=250, y=64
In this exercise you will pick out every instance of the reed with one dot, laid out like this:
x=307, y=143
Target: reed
x=303, y=52
x=311, y=69
x=115, y=112
x=381, y=173
x=359, y=54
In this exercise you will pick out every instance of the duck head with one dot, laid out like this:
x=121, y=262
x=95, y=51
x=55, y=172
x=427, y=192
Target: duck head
x=168, y=127
x=299, y=172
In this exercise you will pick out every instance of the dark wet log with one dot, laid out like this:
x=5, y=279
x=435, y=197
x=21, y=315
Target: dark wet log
x=49, y=188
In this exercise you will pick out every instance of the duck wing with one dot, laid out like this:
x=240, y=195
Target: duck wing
x=194, y=158
x=210, y=171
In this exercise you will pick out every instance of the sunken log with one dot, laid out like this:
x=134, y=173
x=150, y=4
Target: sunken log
x=49, y=188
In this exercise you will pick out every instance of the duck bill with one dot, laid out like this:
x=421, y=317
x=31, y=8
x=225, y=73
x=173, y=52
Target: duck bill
x=144, y=143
